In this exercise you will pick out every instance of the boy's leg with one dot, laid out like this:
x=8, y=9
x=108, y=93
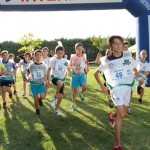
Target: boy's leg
x=8, y=89
x=60, y=84
x=121, y=112
x=60, y=97
x=74, y=93
x=84, y=87
x=24, y=86
x=4, y=96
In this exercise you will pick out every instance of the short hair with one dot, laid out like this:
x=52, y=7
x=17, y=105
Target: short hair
x=59, y=48
x=126, y=43
x=11, y=55
x=27, y=54
x=142, y=51
x=45, y=48
x=4, y=51
x=111, y=39
x=77, y=45
x=37, y=51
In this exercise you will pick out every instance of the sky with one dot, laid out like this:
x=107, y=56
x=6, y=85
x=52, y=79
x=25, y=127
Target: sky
x=52, y=25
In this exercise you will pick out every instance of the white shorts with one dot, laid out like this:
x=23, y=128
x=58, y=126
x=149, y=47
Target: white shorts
x=121, y=95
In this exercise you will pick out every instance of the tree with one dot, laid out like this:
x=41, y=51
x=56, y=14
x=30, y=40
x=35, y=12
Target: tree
x=100, y=43
x=29, y=43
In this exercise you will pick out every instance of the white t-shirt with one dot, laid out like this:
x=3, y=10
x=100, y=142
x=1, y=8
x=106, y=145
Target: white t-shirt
x=24, y=65
x=143, y=66
x=118, y=71
x=58, y=68
x=46, y=61
x=78, y=64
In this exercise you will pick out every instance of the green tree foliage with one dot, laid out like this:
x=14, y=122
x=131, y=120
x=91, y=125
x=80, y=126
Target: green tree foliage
x=100, y=43
x=28, y=43
x=11, y=47
x=90, y=49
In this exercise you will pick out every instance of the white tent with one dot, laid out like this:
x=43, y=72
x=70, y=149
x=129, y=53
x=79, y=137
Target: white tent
x=132, y=49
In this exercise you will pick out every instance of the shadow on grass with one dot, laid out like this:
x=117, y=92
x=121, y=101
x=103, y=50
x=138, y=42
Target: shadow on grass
x=20, y=128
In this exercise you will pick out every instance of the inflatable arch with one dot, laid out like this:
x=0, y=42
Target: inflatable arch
x=138, y=8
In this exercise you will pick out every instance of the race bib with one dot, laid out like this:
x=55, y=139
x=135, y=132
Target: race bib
x=119, y=74
x=60, y=68
x=37, y=74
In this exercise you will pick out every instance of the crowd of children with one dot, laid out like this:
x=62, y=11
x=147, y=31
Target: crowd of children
x=40, y=71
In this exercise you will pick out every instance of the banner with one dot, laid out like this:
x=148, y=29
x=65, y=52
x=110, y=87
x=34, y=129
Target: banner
x=32, y=2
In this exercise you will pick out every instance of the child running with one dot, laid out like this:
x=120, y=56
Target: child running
x=143, y=67
x=57, y=69
x=78, y=67
x=11, y=58
x=46, y=60
x=8, y=76
x=118, y=69
x=37, y=75
x=23, y=64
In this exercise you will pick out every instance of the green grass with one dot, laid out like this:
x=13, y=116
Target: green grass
x=86, y=129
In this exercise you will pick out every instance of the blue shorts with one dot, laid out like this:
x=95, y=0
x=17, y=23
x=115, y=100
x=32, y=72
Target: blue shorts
x=37, y=89
x=78, y=80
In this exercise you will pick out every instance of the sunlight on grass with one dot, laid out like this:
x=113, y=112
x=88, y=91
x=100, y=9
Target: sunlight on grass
x=86, y=129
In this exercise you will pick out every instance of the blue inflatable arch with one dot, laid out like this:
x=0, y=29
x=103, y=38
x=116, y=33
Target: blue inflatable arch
x=138, y=8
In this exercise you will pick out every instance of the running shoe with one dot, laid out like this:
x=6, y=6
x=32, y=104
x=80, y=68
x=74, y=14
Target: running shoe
x=37, y=113
x=40, y=102
x=140, y=100
x=4, y=105
x=57, y=112
x=129, y=111
x=10, y=95
x=117, y=147
x=30, y=94
x=23, y=94
x=15, y=92
x=53, y=102
x=81, y=96
x=74, y=107
x=111, y=120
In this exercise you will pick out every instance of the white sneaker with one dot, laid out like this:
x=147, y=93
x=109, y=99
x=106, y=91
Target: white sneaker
x=23, y=94
x=53, y=102
x=57, y=112
x=30, y=94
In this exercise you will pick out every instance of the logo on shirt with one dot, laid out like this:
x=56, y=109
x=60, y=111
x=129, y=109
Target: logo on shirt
x=126, y=62
x=66, y=64
x=111, y=65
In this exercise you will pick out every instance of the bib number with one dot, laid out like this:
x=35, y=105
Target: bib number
x=60, y=68
x=38, y=74
x=119, y=74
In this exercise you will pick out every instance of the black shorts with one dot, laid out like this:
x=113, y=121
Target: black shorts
x=6, y=83
x=54, y=81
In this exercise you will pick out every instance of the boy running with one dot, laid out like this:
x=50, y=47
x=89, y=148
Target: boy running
x=143, y=67
x=118, y=69
x=46, y=60
x=8, y=76
x=57, y=69
x=23, y=64
x=37, y=75
x=78, y=67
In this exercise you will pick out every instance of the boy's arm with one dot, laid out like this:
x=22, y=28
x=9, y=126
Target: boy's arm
x=28, y=75
x=48, y=76
x=104, y=89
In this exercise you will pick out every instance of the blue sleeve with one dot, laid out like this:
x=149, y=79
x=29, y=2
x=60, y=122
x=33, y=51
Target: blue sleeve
x=13, y=65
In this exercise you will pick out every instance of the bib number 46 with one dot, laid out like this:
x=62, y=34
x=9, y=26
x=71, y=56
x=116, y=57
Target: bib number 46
x=119, y=75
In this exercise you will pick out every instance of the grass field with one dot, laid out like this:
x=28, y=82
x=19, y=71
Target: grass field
x=86, y=129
